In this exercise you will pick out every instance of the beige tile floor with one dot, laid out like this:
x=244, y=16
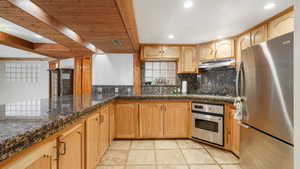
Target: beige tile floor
x=166, y=154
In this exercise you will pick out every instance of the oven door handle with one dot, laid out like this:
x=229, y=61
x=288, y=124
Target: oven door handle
x=204, y=117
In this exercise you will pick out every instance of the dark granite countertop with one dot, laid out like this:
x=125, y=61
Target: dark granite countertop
x=26, y=123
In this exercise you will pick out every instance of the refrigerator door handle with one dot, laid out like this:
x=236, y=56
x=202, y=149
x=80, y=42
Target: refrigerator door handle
x=237, y=82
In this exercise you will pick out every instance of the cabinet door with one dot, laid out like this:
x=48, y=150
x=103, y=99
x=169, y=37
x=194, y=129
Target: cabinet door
x=206, y=51
x=152, y=52
x=259, y=35
x=71, y=148
x=92, y=141
x=243, y=42
x=44, y=157
x=189, y=59
x=111, y=123
x=224, y=49
x=126, y=120
x=282, y=25
x=151, y=120
x=104, y=130
x=235, y=147
x=176, y=120
x=170, y=52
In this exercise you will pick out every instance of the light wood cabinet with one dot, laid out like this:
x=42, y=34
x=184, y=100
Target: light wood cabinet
x=207, y=51
x=188, y=60
x=259, y=35
x=225, y=49
x=235, y=128
x=104, y=130
x=151, y=120
x=92, y=141
x=160, y=52
x=111, y=123
x=243, y=42
x=282, y=25
x=72, y=148
x=151, y=52
x=176, y=120
x=170, y=52
x=44, y=157
x=126, y=120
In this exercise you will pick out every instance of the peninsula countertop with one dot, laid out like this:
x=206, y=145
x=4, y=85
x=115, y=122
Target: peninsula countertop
x=26, y=123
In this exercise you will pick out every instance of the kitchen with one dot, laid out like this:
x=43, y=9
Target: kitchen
x=135, y=89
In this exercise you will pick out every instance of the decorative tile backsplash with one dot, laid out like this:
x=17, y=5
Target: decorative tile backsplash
x=213, y=82
x=118, y=89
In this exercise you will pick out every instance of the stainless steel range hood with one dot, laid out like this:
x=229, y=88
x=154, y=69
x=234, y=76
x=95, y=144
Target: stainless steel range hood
x=216, y=64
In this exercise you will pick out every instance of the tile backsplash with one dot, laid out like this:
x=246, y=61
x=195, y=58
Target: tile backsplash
x=120, y=89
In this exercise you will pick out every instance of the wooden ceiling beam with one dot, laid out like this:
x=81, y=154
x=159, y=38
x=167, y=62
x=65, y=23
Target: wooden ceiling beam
x=30, y=16
x=46, y=49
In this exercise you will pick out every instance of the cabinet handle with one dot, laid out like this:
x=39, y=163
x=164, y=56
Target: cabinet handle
x=65, y=148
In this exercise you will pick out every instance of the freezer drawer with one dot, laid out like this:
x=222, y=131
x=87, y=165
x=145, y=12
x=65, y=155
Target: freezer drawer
x=260, y=151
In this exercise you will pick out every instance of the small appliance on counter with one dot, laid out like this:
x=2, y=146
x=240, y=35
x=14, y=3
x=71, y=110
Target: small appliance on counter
x=208, y=122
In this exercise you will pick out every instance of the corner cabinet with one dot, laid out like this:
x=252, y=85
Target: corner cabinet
x=259, y=35
x=188, y=60
x=44, y=157
x=71, y=149
x=242, y=42
x=160, y=52
x=282, y=25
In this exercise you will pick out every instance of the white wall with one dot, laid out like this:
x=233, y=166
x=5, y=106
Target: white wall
x=297, y=88
x=112, y=69
x=11, y=92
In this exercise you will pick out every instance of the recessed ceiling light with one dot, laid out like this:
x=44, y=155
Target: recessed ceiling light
x=38, y=36
x=188, y=3
x=269, y=6
x=171, y=36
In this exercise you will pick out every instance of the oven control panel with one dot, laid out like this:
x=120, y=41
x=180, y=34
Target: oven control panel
x=208, y=108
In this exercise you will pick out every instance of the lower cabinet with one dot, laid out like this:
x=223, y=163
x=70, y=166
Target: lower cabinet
x=235, y=128
x=43, y=157
x=151, y=120
x=176, y=120
x=92, y=141
x=104, y=130
x=126, y=120
x=71, y=150
x=111, y=123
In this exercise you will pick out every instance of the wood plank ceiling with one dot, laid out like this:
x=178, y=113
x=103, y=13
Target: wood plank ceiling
x=98, y=22
x=79, y=25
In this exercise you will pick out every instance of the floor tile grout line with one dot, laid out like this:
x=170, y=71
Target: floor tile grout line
x=213, y=158
x=181, y=150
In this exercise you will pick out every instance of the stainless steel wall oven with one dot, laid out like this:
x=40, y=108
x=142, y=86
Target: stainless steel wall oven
x=208, y=122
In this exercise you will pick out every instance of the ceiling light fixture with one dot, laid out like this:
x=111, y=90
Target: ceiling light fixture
x=188, y=3
x=269, y=6
x=171, y=36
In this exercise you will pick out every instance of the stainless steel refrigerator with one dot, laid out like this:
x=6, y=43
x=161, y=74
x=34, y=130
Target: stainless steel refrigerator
x=265, y=84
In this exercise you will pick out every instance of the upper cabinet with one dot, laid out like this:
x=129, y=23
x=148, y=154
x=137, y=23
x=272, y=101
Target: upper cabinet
x=207, y=51
x=243, y=42
x=259, y=35
x=224, y=49
x=160, y=52
x=282, y=25
x=188, y=60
